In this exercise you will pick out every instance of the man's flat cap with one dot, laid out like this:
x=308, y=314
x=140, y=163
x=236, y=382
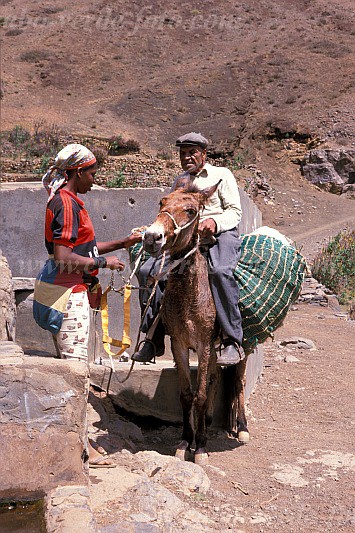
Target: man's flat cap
x=192, y=139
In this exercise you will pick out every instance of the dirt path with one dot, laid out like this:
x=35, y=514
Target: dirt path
x=298, y=471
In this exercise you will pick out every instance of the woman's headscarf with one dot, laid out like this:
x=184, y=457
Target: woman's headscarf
x=71, y=157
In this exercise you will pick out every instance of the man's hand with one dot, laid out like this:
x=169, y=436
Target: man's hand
x=207, y=228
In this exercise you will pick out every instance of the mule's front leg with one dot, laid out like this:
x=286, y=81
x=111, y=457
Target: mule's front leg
x=200, y=408
x=181, y=357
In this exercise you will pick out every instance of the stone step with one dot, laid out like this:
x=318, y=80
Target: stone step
x=153, y=389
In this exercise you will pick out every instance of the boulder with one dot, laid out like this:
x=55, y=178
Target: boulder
x=7, y=302
x=42, y=406
x=330, y=170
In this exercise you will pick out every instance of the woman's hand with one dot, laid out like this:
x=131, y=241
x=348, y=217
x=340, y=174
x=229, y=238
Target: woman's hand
x=111, y=246
x=113, y=263
x=133, y=239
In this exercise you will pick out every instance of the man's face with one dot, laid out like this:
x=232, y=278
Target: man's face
x=192, y=158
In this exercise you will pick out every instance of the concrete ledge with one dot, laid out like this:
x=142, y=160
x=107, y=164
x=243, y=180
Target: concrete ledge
x=153, y=389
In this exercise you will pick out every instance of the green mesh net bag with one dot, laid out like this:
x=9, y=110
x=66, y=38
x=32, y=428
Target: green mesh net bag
x=270, y=276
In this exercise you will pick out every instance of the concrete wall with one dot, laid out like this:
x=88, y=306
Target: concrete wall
x=114, y=212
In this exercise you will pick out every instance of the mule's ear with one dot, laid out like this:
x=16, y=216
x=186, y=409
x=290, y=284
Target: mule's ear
x=207, y=193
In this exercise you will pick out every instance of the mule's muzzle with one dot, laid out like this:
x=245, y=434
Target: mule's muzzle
x=153, y=240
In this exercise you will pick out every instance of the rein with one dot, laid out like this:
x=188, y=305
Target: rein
x=177, y=262
x=178, y=229
x=126, y=340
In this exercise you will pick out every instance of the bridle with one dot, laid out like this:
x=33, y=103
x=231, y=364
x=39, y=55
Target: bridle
x=178, y=229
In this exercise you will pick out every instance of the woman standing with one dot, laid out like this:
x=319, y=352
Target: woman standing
x=67, y=281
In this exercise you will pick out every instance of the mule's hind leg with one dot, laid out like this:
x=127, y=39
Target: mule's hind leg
x=234, y=384
x=242, y=427
x=181, y=358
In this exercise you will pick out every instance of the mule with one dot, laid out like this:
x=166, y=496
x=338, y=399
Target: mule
x=189, y=316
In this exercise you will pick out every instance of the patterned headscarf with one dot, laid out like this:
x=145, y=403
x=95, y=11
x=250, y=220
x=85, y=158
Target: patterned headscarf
x=71, y=157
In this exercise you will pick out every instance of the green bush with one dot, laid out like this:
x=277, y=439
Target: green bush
x=334, y=266
x=44, y=141
x=18, y=136
x=118, y=181
x=44, y=164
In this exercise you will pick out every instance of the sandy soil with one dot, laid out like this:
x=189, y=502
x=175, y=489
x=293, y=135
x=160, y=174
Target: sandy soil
x=298, y=471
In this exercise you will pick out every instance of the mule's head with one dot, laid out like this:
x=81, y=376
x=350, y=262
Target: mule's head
x=176, y=225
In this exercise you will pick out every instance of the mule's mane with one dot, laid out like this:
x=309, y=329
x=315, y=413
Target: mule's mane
x=183, y=185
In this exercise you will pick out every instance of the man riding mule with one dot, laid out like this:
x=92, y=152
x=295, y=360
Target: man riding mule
x=218, y=224
x=188, y=312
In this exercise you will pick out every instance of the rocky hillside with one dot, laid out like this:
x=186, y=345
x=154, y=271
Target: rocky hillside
x=265, y=81
x=236, y=71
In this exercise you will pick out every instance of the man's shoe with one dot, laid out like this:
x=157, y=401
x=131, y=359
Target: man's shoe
x=231, y=354
x=148, y=352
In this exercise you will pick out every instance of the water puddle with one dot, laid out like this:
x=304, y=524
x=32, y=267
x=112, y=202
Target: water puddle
x=22, y=517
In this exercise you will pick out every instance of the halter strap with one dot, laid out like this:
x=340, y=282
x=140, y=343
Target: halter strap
x=178, y=229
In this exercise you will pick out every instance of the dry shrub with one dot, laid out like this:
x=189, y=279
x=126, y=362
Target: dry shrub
x=119, y=146
x=34, y=56
x=13, y=33
x=334, y=266
x=45, y=140
x=99, y=152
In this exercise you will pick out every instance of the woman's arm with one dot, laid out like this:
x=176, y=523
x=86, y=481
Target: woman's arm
x=71, y=262
x=111, y=246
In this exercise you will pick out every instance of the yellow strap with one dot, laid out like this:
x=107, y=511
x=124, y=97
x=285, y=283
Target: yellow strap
x=106, y=339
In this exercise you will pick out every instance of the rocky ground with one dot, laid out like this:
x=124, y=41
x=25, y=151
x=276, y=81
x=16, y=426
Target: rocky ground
x=296, y=474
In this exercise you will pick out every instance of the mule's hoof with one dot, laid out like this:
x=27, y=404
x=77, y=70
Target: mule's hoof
x=183, y=451
x=243, y=436
x=201, y=458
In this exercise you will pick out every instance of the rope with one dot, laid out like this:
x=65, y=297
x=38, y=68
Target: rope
x=126, y=341
x=126, y=320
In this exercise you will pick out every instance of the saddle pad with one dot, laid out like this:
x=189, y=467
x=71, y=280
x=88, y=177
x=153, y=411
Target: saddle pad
x=270, y=275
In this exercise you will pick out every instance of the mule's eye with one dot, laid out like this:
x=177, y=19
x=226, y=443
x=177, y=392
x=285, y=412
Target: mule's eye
x=191, y=212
